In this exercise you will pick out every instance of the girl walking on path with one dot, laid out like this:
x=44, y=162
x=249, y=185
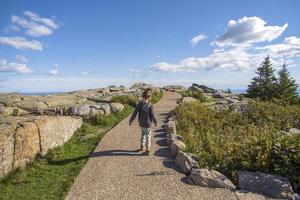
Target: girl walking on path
x=146, y=118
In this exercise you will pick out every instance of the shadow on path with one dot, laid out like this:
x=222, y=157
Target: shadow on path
x=118, y=152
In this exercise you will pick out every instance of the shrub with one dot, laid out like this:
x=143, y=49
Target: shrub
x=156, y=96
x=130, y=100
x=194, y=93
x=228, y=141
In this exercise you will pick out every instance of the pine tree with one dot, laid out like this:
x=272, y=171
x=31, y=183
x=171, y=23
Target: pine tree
x=287, y=87
x=263, y=86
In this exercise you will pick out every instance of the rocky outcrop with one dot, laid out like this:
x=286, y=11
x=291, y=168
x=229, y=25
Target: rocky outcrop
x=267, y=184
x=27, y=144
x=22, y=138
x=6, y=148
x=116, y=107
x=174, y=88
x=55, y=131
x=203, y=88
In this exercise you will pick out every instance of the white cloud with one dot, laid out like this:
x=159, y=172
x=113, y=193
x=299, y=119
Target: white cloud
x=235, y=59
x=21, y=58
x=195, y=40
x=289, y=48
x=53, y=72
x=13, y=67
x=249, y=30
x=34, y=25
x=21, y=43
x=84, y=73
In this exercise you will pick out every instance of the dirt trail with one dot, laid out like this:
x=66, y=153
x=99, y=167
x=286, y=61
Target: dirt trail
x=117, y=170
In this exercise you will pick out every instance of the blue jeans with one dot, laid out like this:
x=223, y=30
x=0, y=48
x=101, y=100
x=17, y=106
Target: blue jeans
x=146, y=137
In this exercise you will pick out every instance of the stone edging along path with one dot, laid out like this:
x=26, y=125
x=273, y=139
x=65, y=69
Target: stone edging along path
x=118, y=170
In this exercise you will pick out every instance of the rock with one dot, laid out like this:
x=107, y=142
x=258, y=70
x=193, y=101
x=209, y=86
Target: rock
x=83, y=111
x=116, y=107
x=94, y=112
x=266, y=184
x=55, y=131
x=171, y=127
x=26, y=144
x=204, y=88
x=188, y=99
x=176, y=146
x=231, y=100
x=73, y=110
x=245, y=195
x=6, y=148
x=116, y=89
x=219, y=107
x=221, y=102
x=186, y=163
x=106, y=108
x=171, y=137
x=100, y=98
x=196, y=88
x=210, y=178
x=221, y=95
x=294, y=131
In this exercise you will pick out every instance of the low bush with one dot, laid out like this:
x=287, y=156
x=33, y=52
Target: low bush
x=130, y=100
x=156, y=96
x=194, y=93
x=228, y=141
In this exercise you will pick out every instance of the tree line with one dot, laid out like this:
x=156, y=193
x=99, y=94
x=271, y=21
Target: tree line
x=267, y=87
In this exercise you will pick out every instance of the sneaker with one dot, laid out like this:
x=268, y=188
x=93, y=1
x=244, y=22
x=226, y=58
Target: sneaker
x=147, y=149
x=142, y=148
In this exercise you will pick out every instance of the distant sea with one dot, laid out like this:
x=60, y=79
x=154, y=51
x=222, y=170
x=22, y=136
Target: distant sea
x=39, y=93
x=239, y=91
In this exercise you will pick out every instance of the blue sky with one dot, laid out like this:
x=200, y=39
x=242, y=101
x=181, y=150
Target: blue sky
x=49, y=46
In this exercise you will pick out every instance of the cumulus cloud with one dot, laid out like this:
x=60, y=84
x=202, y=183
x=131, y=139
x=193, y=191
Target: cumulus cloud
x=21, y=43
x=290, y=47
x=53, y=72
x=33, y=24
x=195, y=40
x=235, y=59
x=10, y=67
x=249, y=30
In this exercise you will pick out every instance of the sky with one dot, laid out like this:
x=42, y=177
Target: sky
x=57, y=46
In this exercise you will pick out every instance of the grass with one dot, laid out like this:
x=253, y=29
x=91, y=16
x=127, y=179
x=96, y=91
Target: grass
x=51, y=177
x=253, y=140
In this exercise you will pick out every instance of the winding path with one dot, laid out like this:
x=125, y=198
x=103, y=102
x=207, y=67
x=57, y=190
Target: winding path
x=117, y=170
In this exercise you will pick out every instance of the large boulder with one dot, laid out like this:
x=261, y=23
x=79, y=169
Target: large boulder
x=106, y=108
x=6, y=148
x=176, y=146
x=116, y=107
x=210, y=178
x=204, y=88
x=55, y=131
x=26, y=144
x=267, y=184
x=221, y=94
x=186, y=162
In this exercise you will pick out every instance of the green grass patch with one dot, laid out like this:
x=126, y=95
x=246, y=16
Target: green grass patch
x=51, y=177
x=253, y=140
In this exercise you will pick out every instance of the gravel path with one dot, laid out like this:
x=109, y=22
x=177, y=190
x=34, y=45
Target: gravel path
x=117, y=170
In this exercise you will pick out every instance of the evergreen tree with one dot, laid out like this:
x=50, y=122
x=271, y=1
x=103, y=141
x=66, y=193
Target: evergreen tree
x=263, y=86
x=287, y=87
